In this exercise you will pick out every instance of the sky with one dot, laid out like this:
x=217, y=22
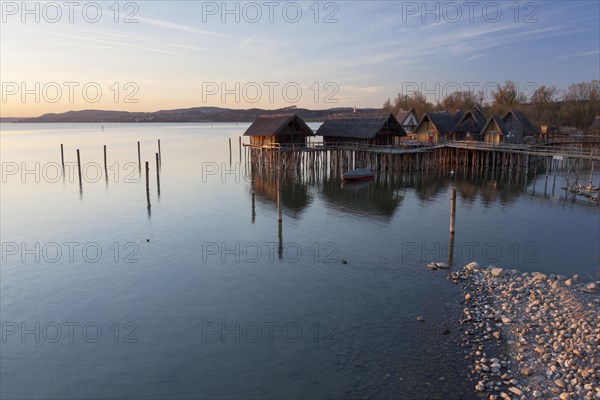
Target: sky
x=156, y=55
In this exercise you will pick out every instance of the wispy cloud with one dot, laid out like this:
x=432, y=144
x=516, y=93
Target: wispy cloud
x=116, y=44
x=364, y=89
x=587, y=53
x=182, y=27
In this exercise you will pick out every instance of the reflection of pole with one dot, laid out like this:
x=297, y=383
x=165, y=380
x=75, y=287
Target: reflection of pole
x=280, y=238
x=452, y=209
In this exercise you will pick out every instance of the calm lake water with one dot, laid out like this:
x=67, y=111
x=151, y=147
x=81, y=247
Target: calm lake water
x=203, y=296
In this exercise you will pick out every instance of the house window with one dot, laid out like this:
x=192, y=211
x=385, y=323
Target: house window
x=468, y=134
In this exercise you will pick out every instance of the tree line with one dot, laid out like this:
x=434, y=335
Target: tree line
x=576, y=106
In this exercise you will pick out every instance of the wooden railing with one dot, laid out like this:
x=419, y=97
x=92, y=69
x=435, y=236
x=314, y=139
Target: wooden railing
x=531, y=149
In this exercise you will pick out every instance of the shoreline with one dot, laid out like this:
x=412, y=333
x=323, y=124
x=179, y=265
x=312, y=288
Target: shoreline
x=528, y=335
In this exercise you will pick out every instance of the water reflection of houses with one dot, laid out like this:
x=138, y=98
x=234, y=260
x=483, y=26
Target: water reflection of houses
x=489, y=186
x=375, y=199
x=294, y=195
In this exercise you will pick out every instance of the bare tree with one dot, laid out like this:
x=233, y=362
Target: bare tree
x=544, y=103
x=581, y=103
x=416, y=100
x=387, y=106
x=507, y=97
x=463, y=100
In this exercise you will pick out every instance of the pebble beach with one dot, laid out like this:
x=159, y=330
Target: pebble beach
x=529, y=335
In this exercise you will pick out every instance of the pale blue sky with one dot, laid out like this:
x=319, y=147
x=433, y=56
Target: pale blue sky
x=178, y=50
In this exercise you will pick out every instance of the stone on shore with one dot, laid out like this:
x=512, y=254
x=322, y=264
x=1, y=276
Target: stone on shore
x=530, y=335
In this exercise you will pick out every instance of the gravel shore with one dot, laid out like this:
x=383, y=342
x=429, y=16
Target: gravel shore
x=529, y=335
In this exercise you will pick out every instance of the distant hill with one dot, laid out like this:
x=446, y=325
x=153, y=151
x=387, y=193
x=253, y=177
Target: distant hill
x=196, y=114
x=10, y=119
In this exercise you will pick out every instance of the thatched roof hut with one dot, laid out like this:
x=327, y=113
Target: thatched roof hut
x=457, y=116
x=434, y=127
x=379, y=129
x=518, y=126
x=595, y=128
x=470, y=125
x=494, y=130
x=408, y=119
x=278, y=128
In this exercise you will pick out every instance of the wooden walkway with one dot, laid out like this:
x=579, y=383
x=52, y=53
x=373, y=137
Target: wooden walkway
x=416, y=147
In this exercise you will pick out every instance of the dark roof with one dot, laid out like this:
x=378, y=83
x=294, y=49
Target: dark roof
x=457, y=116
x=403, y=114
x=499, y=123
x=472, y=121
x=468, y=125
x=360, y=126
x=271, y=125
x=595, y=124
x=522, y=120
x=443, y=122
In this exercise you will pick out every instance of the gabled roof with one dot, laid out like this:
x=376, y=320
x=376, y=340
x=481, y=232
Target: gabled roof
x=457, y=116
x=596, y=124
x=272, y=125
x=403, y=114
x=472, y=121
x=360, y=126
x=522, y=120
x=495, y=119
x=443, y=122
x=468, y=125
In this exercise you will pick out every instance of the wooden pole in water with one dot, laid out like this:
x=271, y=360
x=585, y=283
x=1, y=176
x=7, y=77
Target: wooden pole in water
x=62, y=158
x=105, y=167
x=159, y=154
x=79, y=166
x=240, y=143
x=592, y=176
x=158, y=173
x=229, y=147
x=148, y=184
x=279, y=192
x=139, y=158
x=452, y=209
x=451, y=250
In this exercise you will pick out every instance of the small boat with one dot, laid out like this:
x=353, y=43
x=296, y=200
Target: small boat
x=358, y=175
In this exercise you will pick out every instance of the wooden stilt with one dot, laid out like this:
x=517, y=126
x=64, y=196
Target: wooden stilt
x=79, y=166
